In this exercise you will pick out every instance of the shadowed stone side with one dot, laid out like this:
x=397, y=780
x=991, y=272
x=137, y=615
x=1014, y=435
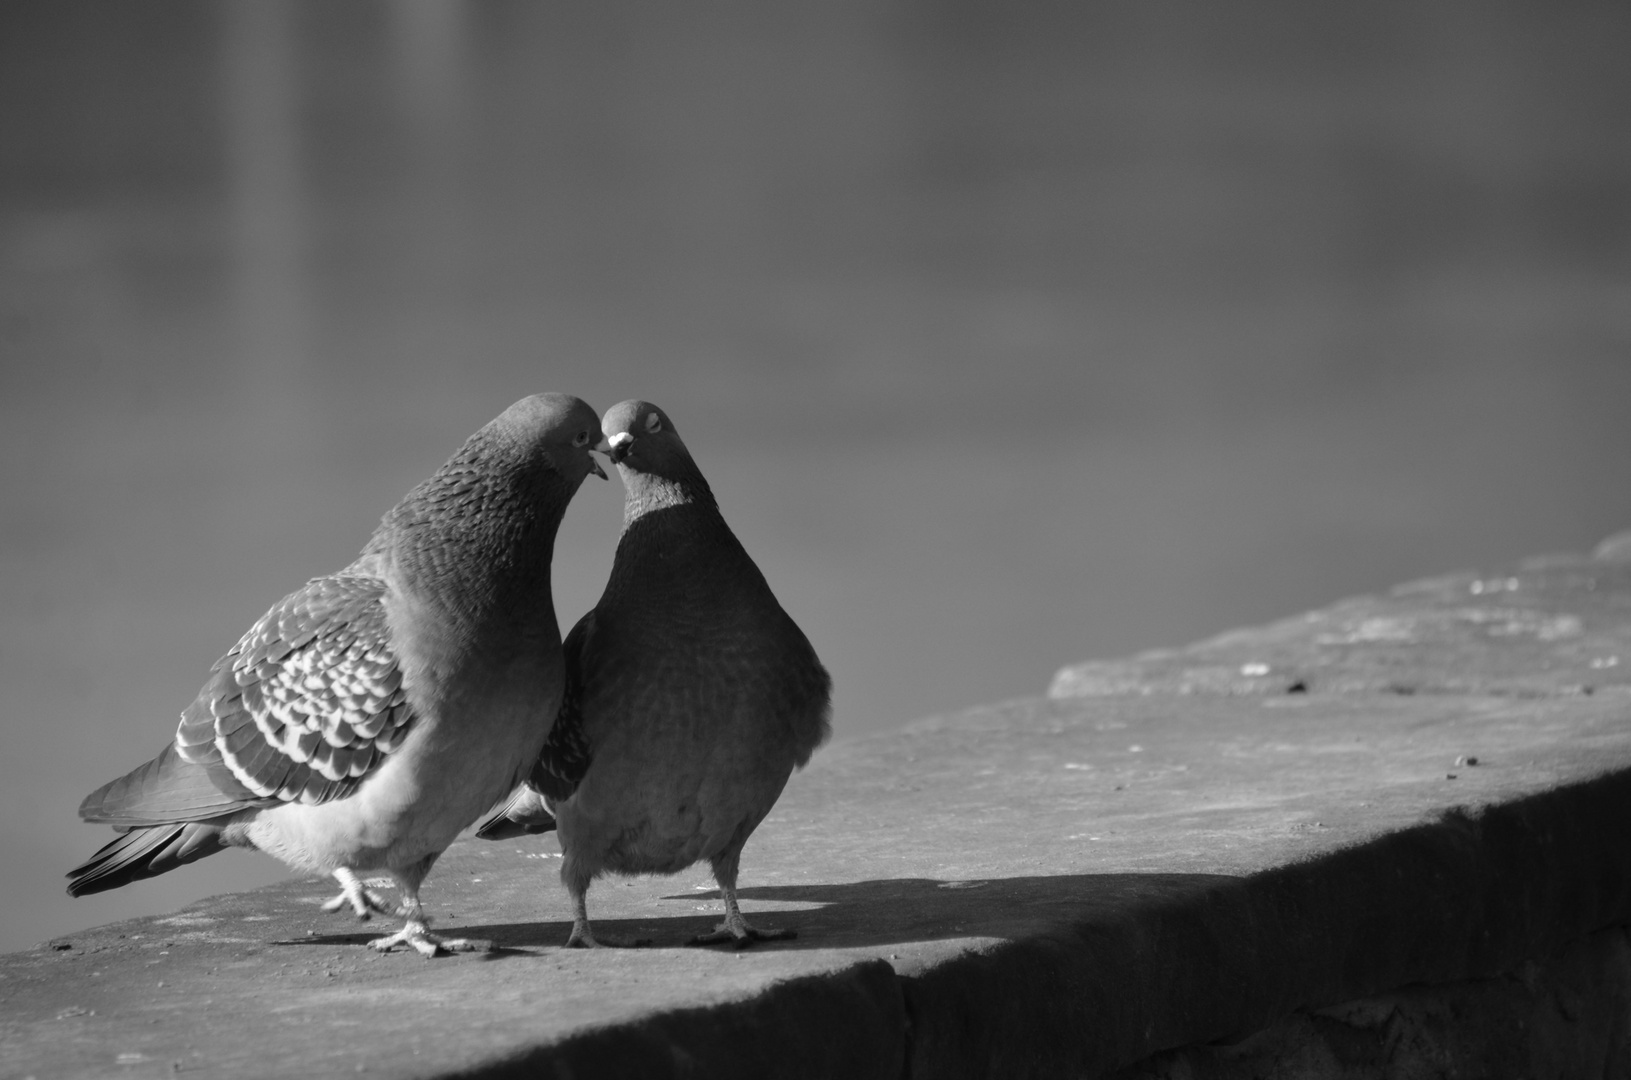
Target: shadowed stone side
x=1470, y=895
x=1568, y=1014
x=848, y=1025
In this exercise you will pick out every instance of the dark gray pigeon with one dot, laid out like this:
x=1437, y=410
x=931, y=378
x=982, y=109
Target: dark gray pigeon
x=691, y=696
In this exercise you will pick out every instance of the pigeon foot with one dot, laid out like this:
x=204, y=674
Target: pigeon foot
x=584, y=938
x=363, y=900
x=424, y=942
x=740, y=935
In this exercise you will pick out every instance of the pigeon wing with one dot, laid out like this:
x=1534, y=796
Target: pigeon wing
x=169, y=789
x=566, y=754
x=306, y=705
x=310, y=701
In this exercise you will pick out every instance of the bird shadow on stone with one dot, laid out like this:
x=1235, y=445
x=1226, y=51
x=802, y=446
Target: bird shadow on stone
x=899, y=910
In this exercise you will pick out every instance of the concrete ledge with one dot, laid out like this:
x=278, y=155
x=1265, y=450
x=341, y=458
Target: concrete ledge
x=1554, y=625
x=1052, y=886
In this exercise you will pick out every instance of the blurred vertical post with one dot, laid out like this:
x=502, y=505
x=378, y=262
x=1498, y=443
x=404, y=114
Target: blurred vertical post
x=270, y=206
x=428, y=52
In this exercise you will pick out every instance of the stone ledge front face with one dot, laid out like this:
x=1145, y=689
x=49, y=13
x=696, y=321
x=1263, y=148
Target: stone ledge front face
x=1043, y=887
x=1565, y=1015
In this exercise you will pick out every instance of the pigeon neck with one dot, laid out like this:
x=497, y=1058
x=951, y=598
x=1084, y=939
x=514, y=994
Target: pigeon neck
x=478, y=535
x=648, y=493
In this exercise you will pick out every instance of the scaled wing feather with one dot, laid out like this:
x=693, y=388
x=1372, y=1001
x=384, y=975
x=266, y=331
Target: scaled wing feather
x=310, y=700
x=304, y=707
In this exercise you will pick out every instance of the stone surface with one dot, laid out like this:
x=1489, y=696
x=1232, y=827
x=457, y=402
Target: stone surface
x=1045, y=887
x=1558, y=625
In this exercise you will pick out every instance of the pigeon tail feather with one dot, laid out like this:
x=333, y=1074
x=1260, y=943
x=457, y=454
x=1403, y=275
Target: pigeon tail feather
x=522, y=813
x=145, y=853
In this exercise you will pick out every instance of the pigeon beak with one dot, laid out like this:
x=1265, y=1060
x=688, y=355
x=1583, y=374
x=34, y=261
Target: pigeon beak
x=616, y=446
x=594, y=467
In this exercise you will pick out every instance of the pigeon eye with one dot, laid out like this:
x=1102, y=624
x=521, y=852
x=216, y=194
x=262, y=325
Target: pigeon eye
x=654, y=423
x=581, y=439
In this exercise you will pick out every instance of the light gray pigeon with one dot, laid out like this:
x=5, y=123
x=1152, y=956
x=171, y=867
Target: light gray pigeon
x=691, y=696
x=373, y=713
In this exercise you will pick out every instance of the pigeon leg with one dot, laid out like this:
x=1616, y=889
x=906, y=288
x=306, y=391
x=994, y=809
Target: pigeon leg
x=415, y=930
x=363, y=901
x=735, y=929
x=582, y=937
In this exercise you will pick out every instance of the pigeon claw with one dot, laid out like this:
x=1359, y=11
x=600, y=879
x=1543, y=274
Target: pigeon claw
x=425, y=943
x=740, y=935
x=584, y=938
x=363, y=901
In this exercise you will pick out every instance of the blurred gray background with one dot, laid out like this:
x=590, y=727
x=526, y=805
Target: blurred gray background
x=1009, y=334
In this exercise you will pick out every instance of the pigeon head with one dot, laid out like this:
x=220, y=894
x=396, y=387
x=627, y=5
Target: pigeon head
x=558, y=429
x=656, y=467
x=504, y=491
x=641, y=437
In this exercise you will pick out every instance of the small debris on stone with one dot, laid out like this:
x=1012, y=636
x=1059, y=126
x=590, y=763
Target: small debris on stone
x=1254, y=669
x=1465, y=759
x=1298, y=687
x=1449, y=776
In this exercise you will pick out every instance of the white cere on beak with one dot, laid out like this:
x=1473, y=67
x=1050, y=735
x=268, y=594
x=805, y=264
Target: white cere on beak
x=621, y=439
